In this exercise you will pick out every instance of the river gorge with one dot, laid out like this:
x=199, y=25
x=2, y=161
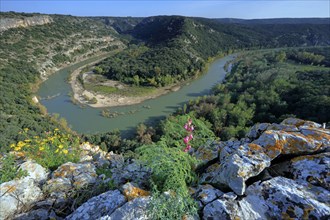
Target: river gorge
x=55, y=95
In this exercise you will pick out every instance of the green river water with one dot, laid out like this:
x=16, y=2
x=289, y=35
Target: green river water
x=90, y=120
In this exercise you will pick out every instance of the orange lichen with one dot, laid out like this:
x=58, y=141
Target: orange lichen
x=9, y=189
x=255, y=147
x=273, y=151
x=135, y=192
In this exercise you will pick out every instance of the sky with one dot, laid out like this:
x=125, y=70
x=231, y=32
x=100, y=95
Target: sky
x=247, y=9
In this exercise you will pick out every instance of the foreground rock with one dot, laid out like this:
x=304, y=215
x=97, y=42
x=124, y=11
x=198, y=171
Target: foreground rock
x=241, y=160
x=17, y=195
x=278, y=198
x=96, y=207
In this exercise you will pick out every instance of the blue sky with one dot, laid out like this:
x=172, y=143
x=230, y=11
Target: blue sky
x=213, y=9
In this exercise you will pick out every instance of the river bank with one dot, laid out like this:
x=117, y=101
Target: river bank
x=83, y=96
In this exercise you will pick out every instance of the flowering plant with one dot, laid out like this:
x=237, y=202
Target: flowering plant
x=189, y=127
x=50, y=151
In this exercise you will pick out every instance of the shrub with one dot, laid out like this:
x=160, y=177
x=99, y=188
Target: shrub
x=9, y=169
x=51, y=151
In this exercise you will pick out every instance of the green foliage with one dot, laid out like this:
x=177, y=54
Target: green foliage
x=172, y=131
x=172, y=172
x=172, y=206
x=51, y=151
x=9, y=169
x=266, y=87
x=172, y=169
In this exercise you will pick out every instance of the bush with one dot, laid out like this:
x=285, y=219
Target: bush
x=9, y=169
x=52, y=151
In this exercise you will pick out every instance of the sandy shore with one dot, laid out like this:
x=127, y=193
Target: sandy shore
x=111, y=100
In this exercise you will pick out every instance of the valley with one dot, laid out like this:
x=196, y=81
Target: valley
x=163, y=117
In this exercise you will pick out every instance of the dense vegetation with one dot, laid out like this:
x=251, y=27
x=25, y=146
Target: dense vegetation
x=268, y=87
x=174, y=48
x=25, y=53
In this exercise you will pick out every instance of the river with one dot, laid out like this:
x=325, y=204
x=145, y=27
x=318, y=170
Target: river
x=90, y=120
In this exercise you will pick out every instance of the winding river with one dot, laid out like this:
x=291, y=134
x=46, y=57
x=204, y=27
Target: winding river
x=90, y=120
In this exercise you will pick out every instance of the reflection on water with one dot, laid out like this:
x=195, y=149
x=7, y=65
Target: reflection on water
x=90, y=120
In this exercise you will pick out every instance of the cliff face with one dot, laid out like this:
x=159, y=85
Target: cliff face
x=8, y=23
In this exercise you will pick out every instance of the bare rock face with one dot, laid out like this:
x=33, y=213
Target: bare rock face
x=135, y=209
x=278, y=198
x=236, y=166
x=8, y=23
x=131, y=191
x=101, y=205
x=17, y=194
x=314, y=169
x=240, y=160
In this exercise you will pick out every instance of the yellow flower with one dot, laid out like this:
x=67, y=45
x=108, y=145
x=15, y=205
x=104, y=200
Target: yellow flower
x=20, y=144
x=26, y=129
x=41, y=148
x=27, y=140
x=17, y=148
x=56, y=151
x=60, y=146
x=56, y=129
x=65, y=151
x=12, y=145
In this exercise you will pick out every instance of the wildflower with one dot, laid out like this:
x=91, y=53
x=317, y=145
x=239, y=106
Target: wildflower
x=56, y=129
x=57, y=150
x=187, y=148
x=12, y=145
x=41, y=148
x=17, y=148
x=65, y=151
x=60, y=146
x=186, y=140
x=25, y=129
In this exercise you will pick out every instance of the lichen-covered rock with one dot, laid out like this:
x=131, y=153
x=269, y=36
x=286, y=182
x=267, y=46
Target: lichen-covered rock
x=206, y=194
x=257, y=130
x=282, y=127
x=96, y=207
x=299, y=122
x=207, y=152
x=227, y=207
x=16, y=194
x=135, y=209
x=68, y=178
x=278, y=198
x=79, y=174
x=35, y=171
x=95, y=154
x=130, y=171
x=281, y=142
x=285, y=198
x=131, y=191
x=236, y=166
x=314, y=169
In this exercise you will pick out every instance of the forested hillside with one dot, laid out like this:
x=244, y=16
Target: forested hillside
x=160, y=51
x=175, y=48
x=269, y=86
x=28, y=54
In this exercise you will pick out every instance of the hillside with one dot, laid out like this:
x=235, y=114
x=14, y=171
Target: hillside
x=175, y=48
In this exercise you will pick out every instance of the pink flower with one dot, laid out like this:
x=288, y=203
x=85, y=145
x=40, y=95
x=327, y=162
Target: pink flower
x=189, y=121
x=186, y=126
x=186, y=140
x=191, y=136
x=187, y=148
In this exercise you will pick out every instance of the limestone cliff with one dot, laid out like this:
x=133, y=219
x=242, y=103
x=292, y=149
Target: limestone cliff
x=8, y=23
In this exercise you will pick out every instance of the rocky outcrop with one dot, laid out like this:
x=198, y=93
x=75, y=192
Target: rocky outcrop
x=279, y=171
x=96, y=207
x=8, y=23
x=240, y=160
x=278, y=198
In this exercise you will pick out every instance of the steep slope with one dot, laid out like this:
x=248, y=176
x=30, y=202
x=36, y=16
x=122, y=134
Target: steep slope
x=30, y=52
